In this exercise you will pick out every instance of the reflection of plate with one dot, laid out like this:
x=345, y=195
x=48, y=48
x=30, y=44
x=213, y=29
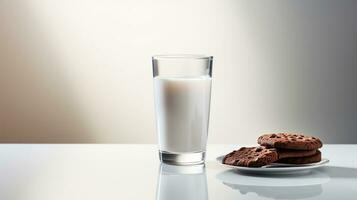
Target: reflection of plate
x=291, y=186
x=299, y=192
x=277, y=168
x=288, y=180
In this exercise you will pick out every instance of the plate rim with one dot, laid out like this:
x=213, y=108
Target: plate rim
x=323, y=162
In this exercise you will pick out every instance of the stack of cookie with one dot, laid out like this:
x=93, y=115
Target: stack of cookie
x=286, y=148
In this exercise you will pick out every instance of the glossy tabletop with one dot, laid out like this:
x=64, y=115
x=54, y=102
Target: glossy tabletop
x=93, y=171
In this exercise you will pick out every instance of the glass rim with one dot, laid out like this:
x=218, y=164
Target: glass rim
x=181, y=56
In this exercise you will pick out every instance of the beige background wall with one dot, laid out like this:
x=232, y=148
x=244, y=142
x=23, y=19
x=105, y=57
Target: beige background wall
x=80, y=71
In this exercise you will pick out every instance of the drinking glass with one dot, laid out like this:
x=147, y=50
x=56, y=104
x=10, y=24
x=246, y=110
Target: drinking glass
x=182, y=92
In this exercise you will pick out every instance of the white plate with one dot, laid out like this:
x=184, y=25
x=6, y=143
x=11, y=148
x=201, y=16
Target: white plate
x=277, y=168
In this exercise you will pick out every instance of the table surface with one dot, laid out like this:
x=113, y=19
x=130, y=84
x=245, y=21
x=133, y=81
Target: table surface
x=105, y=171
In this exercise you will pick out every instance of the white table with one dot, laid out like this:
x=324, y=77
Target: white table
x=91, y=171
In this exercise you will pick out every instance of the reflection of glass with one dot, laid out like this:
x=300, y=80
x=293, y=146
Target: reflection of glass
x=182, y=91
x=182, y=182
x=293, y=186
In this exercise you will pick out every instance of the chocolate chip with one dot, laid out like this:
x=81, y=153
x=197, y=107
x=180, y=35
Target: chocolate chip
x=258, y=149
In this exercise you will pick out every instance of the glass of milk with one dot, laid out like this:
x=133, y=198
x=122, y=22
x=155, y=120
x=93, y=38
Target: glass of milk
x=182, y=92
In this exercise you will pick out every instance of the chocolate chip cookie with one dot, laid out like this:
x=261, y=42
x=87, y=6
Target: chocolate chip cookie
x=290, y=141
x=287, y=153
x=302, y=160
x=251, y=157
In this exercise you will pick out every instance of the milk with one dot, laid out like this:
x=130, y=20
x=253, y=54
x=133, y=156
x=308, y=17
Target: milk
x=182, y=112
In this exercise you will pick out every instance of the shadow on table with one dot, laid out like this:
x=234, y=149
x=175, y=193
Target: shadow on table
x=291, y=186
